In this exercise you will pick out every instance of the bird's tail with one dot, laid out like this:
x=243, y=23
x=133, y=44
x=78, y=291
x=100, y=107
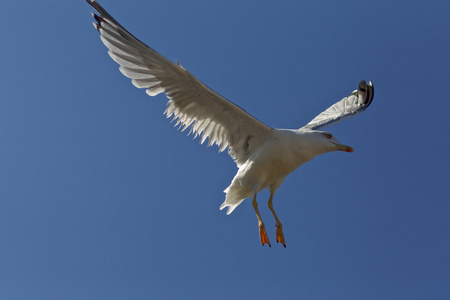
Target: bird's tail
x=236, y=193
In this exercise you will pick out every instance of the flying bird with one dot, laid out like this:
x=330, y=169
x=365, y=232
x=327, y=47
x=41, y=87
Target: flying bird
x=264, y=155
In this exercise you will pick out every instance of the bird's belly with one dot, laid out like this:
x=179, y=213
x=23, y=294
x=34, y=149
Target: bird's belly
x=276, y=169
x=263, y=172
x=272, y=163
x=280, y=161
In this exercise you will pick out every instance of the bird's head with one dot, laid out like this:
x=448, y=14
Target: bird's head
x=326, y=142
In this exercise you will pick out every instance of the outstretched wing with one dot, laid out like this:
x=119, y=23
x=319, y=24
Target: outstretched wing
x=348, y=107
x=191, y=103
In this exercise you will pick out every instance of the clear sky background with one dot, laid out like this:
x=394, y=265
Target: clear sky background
x=101, y=198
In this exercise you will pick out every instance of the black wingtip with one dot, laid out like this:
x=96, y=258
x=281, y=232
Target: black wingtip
x=368, y=90
x=91, y=2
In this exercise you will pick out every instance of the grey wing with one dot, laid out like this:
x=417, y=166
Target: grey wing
x=348, y=107
x=191, y=103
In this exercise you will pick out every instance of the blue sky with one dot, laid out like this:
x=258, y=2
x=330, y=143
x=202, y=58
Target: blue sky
x=101, y=198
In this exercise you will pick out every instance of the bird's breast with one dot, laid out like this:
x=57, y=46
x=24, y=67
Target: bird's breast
x=278, y=158
x=273, y=161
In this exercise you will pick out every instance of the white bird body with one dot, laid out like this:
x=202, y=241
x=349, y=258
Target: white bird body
x=263, y=155
x=284, y=151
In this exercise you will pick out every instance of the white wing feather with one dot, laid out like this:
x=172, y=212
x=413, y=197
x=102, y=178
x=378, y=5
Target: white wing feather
x=348, y=107
x=191, y=103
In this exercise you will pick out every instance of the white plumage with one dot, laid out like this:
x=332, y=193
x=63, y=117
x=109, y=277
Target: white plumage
x=264, y=155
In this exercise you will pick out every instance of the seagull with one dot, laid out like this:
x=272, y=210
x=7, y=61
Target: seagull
x=264, y=155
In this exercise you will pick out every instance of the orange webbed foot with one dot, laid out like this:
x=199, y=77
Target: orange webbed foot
x=280, y=235
x=263, y=235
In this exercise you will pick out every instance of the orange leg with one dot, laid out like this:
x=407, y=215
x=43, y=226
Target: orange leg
x=262, y=231
x=279, y=232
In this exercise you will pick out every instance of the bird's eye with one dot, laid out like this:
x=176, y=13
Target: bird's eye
x=328, y=135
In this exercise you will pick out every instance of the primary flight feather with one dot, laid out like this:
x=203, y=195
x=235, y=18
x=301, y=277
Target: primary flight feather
x=264, y=155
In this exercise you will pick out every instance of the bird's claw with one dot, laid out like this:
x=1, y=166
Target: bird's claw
x=263, y=235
